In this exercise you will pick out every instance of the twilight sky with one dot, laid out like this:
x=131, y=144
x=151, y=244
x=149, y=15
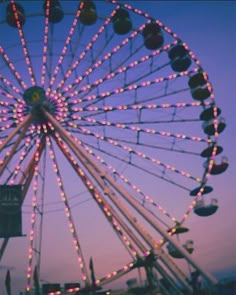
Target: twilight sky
x=209, y=29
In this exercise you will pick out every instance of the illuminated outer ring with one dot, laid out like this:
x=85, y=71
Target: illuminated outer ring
x=128, y=107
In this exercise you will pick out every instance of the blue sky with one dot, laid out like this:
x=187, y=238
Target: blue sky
x=209, y=29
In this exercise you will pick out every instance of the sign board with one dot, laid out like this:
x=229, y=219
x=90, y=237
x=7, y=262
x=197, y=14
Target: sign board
x=10, y=211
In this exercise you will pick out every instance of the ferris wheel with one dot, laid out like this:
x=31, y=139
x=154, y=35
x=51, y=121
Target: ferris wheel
x=108, y=119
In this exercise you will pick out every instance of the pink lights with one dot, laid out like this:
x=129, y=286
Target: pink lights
x=65, y=48
x=12, y=68
x=24, y=46
x=45, y=43
x=68, y=212
x=33, y=223
x=120, y=117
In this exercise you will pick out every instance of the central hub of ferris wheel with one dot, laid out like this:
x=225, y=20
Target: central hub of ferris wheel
x=35, y=96
x=37, y=101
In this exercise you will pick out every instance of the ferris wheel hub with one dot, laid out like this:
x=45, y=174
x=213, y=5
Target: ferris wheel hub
x=34, y=95
x=37, y=100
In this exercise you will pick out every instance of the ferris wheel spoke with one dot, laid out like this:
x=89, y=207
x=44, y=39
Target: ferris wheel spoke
x=105, y=58
x=91, y=122
x=45, y=44
x=97, y=110
x=115, y=274
x=10, y=90
x=93, y=169
x=25, y=149
x=12, y=68
x=111, y=215
x=72, y=227
x=156, y=147
x=133, y=186
x=5, y=124
x=8, y=119
x=5, y=105
x=24, y=124
x=135, y=129
x=50, y=52
x=130, y=151
x=24, y=44
x=143, y=196
x=142, y=144
x=82, y=55
x=115, y=74
x=9, y=155
x=125, y=89
x=129, y=108
x=65, y=47
x=127, y=161
x=97, y=173
x=21, y=146
x=27, y=174
x=33, y=225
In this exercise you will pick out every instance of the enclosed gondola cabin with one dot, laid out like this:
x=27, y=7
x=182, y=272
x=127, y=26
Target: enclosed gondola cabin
x=206, y=190
x=15, y=14
x=210, y=113
x=219, y=168
x=56, y=13
x=179, y=58
x=88, y=15
x=214, y=126
x=189, y=246
x=175, y=253
x=121, y=22
x=208, y=152
x=201, y=209
x=152, y=34
x=178, y=229
x=199, y=86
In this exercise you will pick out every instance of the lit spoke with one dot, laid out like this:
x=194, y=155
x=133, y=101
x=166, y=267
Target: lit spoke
x=65, y=48
x=24, y=45
x=68, y=214
x=12, y=68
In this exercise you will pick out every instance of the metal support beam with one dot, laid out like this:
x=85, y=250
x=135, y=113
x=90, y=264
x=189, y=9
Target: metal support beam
x=100, y=176
x=13, y=150
x=119, y=220
x=15, y=131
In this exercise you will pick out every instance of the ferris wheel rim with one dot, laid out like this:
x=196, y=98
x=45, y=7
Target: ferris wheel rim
x=48, y=99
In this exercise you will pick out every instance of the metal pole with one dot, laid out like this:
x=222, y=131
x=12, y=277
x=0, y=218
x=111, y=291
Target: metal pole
x=15, y=131
x=125, y=228
x=101, y=175
x=98, y=176
x=13, y=150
